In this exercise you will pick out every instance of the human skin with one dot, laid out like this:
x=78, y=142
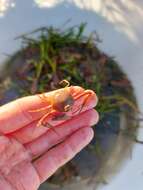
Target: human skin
x=30, y=154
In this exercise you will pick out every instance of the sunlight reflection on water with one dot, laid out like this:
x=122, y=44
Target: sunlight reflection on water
x=116, y=12
x=5, y=5
x=47, y=3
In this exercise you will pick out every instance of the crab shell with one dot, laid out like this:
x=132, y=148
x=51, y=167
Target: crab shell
x=63, y=100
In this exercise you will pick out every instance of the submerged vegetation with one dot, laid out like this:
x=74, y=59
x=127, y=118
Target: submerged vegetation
x=51, y=55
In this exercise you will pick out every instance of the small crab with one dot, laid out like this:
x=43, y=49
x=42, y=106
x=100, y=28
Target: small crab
x=60, y=103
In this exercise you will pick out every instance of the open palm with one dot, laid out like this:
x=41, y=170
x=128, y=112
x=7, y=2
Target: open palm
x=30, y=154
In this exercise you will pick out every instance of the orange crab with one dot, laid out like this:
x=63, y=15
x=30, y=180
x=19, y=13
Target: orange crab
x=60, y=103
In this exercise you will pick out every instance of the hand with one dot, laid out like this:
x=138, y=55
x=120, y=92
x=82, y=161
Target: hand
x=30, y=154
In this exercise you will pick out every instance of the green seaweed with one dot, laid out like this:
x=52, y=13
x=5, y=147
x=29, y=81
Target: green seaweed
x=62, y=63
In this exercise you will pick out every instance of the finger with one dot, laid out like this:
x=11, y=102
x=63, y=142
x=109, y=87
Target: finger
x=58, y=156
x=31, y=132
x=15, y=115
x=51, y=138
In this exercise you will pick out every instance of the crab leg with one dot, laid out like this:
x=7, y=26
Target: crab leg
x=40, y=122
x=48, y=125
x=41, y=109
x=85, y=93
